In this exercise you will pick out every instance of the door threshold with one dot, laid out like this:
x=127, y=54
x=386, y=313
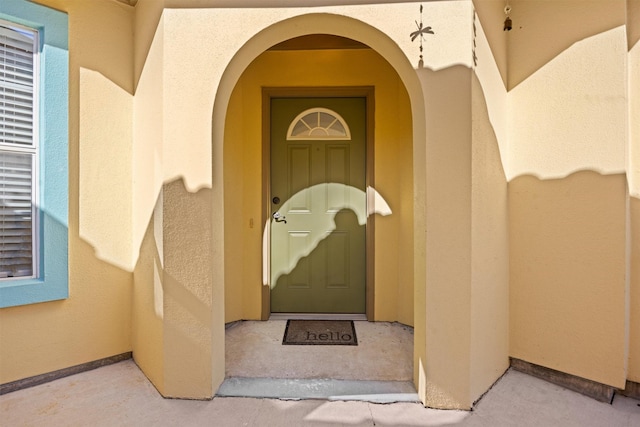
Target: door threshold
x=317, y=316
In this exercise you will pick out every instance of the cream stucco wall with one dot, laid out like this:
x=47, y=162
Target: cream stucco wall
x=542, y=29
x=567, y=157
x=467, y=229
x=467, y=244
x=393, y=150
x=448, y=246
x=633, y=179
x=173, y=299
x=95, y=321
x=568, y=290
x=634, y=298
x=147, y=236
x=490, y=252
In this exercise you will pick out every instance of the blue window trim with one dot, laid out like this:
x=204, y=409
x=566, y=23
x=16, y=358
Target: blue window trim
x=53, y=281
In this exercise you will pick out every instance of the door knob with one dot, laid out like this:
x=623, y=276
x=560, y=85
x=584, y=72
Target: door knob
x=279, y=218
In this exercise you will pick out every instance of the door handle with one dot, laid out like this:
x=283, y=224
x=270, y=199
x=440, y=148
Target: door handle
x=279, y=218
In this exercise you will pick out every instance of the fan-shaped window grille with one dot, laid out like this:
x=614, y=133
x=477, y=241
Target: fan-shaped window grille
x=317, y=124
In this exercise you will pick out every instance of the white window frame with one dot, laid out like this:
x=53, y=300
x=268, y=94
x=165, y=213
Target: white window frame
x=32, y=149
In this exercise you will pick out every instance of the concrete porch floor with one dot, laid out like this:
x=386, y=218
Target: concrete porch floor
x=120, y=394
x=379, y=368
x=384, y=352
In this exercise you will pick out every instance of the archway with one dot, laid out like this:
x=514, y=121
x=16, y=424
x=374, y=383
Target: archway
x=233, y=120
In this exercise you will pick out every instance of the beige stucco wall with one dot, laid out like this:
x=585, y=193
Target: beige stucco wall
x=95, y=321
x=467, y=229
x=568, y=292
x=147, y=234
x=542, y=29
x=490, y=23
x=448, y=246
x=633, y=178
x=567, y=135
x=490, y=252
x=634, y=297
x=243, y=178
x=578, y=120
x=174, y=298
x=467, y=244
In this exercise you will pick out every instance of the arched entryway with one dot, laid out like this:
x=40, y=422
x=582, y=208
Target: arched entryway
x=319, y=51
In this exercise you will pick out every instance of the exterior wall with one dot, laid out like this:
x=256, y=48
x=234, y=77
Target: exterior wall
x=393, y=150
x=448, y=246
x=95, y=321
x=467, y=229
x=173, y=292
x=543, y=29
x=633, y=178
x=634, y=300
x=568, y=294
x=567, y=143
x=148, y=238
x=490, y=218
x=490, y=16
x=490, y=254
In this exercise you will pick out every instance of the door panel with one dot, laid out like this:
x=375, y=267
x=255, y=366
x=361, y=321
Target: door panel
x=318, y=241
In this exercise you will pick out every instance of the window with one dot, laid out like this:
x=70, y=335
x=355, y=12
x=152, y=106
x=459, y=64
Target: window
x=18, y=151
x=33, y=153
x=317, y=124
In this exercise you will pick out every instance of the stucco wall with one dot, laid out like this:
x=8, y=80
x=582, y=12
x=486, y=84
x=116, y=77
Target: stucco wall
x=448, y=246
x=568, y=288
x=634, y=297
x=95, y=321
x=174, y=297
x=467, y=244
x=567, y=196
x=490, y=218
x=147, y=234
x=243, y=177
x=490, y=252
x=633, y=179
x=467, y=229
x=543, y=29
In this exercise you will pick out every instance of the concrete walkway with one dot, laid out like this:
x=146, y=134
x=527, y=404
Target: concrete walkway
x=120, y=395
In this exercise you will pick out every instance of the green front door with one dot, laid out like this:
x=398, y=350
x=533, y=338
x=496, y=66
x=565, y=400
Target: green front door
x=318, y=205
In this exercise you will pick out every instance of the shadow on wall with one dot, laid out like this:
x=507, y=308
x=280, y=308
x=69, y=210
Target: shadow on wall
x=567, y=274
x=93, y=323
x=544, y=29
x=173, y=294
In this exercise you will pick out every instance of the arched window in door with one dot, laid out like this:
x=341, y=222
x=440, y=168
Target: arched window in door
x=317, y=124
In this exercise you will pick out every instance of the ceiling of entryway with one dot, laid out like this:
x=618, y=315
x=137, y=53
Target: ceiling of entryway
x=319, y=41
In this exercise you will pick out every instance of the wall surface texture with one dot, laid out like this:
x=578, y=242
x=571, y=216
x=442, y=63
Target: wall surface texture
x=147, y=211
x=95, y=321
x=633, y=182
x=568, y=293
x=568, y=127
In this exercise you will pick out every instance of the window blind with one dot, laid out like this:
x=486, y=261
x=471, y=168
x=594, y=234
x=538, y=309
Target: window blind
x=17, y=151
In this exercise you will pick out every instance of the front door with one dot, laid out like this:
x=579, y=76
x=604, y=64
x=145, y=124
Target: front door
x=318, y=205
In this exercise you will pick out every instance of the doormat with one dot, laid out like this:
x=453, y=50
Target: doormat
x=320, y=332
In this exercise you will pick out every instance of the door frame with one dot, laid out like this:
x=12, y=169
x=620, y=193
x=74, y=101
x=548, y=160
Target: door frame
x=367, y=92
